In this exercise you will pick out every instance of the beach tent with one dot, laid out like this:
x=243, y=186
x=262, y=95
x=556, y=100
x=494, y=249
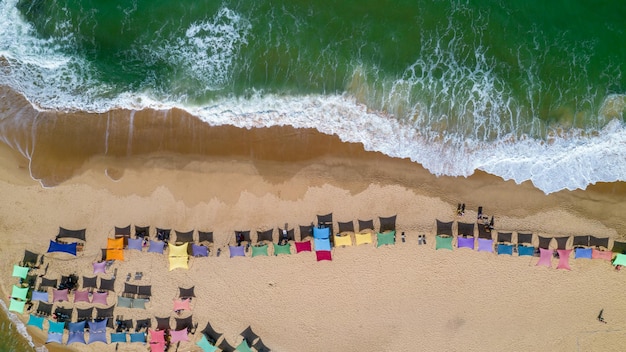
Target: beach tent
x=564, y=259
x=347, y=226
x=100, y=298
x=138, y=337
x=444, y=228
x=123, y=233
x=84, y=314
x=463, y=242
x=44, y=309
x=143, y=323
x=363, y=238
x=39, y=296
x=178, y=250
x=248, y=335
x=107, y=284
x=321, y=232
x=245, y=236
x=561, y=242
x=56, y=327
x=19, y=292
x=115, y=249
x=323, y=255
x=305, y=231
x=386, y=238
x=525, y=251
x=181, y=304
x=290, y=234
x=76, y=332
x=142, y=231
x=243, y=347
x=303, y=246
x=544, y=242
x=184, y=323
x=144, y=291
x=20, y=271
x=30, y=259
x=124, y=302
x=322, y=244
x=163, y=234
x=282, y=249
x=465, y=229
x=619, y=247
x=267, y=235
x=387, y=224
x=162, y=323
x=584, y=253
x=598, y=254
x=119, y=337
x=179, y=263
x=157, y=336
x=226, y=347
x=343, y=240
x=259, y=250
x=59, y=295
x=524, y=238
x=54, y=337
x=485, y=245
x=484, y=232
x=210, y=334
x=97, y=331
x=260, y=346
x=156, y=247
x=366, y=225
x=63, y=314
x=581, y=241
x=45, y=282
x=139, y=303
x=198, y=250
x=88, y=282
x=620, y=259
x=599, y=242
x=325, y=220
x=184, y=237
x=237, y=251
x=123, y=324
x=69, y=248
x=17, y=306
x=186, y=292
x=135, y=244
x=505, y=249
x=76, y=234
x=178, y=336
x=99, y=267
x=102, y=313
x=545, y=257
x=35, y=321
x=81, y=296
x=504, y=237
x=442, y=242
x=204, y=236
x=205, y=345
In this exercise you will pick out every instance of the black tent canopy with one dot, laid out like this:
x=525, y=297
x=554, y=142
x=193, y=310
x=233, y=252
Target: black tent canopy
x=387, y=224
x=45, y=282
x=210, y=333
x=144, y=291
x=325, y=220
x=244, y=234
x=162, y=323
x=260, y=346
x=366, y=224
x=184, y=237
x=561, y=242
x=163, y=234
x=44, y=309
x=186, y=292
x=619, y=247
x=484, y=232
x=184, y=323
x=142, y=231
x=347, y=226
x=305, y=231
x=599, y=241
x=544, y=242
x=76, y=234
x=30, y=259
x=143, y=323
x=205, y=236
x=290, y=234
x=124, y=231
x=130, y=290
x=226, y=347
x=249, y=335
x=524, y=238
x=102, y=313
x=465, y=229
x=505, y=237
x=581, y=241
x=63, y=314
x=107, y=284
x=267, y=235
x=444, y=228
x=84, y=314
x=89, y=282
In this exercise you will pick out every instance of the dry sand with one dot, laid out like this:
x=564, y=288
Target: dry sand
x=405, y=297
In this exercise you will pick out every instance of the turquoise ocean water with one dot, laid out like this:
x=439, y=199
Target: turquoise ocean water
x=527, y=90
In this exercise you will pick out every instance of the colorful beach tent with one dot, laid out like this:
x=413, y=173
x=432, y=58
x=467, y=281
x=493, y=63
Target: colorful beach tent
x=81, y=296
x=77, y=234
x=363, y=238
x=178, y=251
x=545, y=257
x=17, y=306
x=386, y=238
x=620, y=259
x=69, y=248
x=59, y=295
x=322, y=244
x=525, y=251
x=19, y=292
x=237, y=251
x=56, y=327
x=76, y=332
x=259, y=250
x=135, y=244
x=564, y=259
x=485, y=245
x=303, y=246
x=35, y=321
x=323, y=255
x=54, y=337
x=100, y=298
x=181, y=304
x=156, y=247
x=205, y=345
x=99, y=267
x=598, y=254
x=115, y=249
x=178, y=335
x=97, y=331
x=117, y=337
x=156, y=336
x=178, y=263
x=282, y=249
x=444, y=228
x=20, y=271
x=584, y=253
x=343, y=240
x=198, y=250
x=39, y=296
x=323, y=232
x=465, y=242
x=243, y=347
x=178, y=256
x=138, y=337
x=505, y=249
x=442, y=242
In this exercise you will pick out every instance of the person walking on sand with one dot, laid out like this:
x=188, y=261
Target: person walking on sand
x=601, y=317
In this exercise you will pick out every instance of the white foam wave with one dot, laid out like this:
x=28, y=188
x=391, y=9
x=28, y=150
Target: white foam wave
x=20, y=327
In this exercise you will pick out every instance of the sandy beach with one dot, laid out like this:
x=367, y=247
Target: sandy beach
x=404, y=297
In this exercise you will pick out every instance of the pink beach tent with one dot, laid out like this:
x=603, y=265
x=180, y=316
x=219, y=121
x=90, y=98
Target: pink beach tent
x=545, y=257
x=598, y=254
x=564, y=259
x=181, y=304
x=100, y=298
x=59, y=295
x=323, y=255
x=304, y=246
x=156, y=336
x=180, y=335
x=157, y=346
x=81, y=296
x=99, y=268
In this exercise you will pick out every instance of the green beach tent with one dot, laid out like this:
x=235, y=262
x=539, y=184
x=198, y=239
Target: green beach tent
x=206, y=345
x=386, y=238
x=620, y=259
x=443, y=242
x=243, y=347
x=20, y=271
x=17, y=306
x=259, y=250
x=278, y=249
x=19, y=292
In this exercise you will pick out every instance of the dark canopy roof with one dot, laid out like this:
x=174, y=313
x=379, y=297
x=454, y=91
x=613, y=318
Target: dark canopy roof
x=205, y=236
x=599, y=241
x=162, y=323
x=465, y=229
x=387, y=224
x=225, y=346
x=30, y=258
x=122, y=230
x=544, y=242
x=84, y=314
x=249, y=335
x=143, y=323
x=245, y=234
x=163, y=234
x=561, y=242
x=184, y=323
x=346, y=226
x=581, y=241
x=260, y=346
x=77, y=234
x=104, y=312
x=184, y=236
x=89, y=282
x=123, y=324
x=619, y=247
x=484, y=232
x=186, y=292
x=142, y=231
x=63, y=314
x=326, y=220
x=267, y=235
x=210, y=333
x=44, y=308
x=366, y=224
x=107, y=284
x=130, y=289
x=145, y=290
x=524, y=238
x=444, y=228
x=45, y=282
x=305, y=231
x=290, y=234
x=505, y=237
